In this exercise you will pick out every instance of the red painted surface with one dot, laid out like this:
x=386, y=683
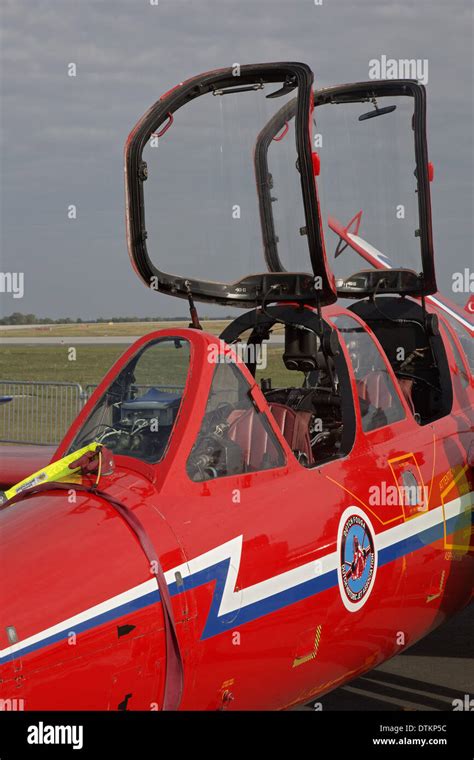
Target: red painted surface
x=59, y=559
x=19, y=461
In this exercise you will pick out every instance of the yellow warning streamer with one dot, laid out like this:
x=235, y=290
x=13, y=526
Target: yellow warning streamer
x=55, y=471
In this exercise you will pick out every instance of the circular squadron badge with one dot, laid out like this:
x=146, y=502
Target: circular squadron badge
x=357, y=558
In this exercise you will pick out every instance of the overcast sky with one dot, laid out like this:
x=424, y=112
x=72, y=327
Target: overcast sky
x=63, y=137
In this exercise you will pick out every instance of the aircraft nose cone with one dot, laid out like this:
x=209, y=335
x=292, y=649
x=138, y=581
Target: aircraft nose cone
x=82, y=618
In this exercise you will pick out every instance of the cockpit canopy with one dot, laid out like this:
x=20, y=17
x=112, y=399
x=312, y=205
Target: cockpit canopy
x=246, y=168
x=189, y=166
x=374, y=185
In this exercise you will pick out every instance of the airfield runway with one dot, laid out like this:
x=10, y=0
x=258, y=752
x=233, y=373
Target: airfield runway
x=77, y=340
x=428, y=676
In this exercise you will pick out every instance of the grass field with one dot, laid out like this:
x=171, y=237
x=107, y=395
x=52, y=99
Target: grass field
x=105, y=329
x=37, y=417
x=51, y=363
x=42, y=414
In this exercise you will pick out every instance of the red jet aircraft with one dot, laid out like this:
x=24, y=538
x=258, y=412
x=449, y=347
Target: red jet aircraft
x=267, y=519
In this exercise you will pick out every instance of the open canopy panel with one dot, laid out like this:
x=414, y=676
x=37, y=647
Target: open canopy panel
x=374, y=184
x=189, y=165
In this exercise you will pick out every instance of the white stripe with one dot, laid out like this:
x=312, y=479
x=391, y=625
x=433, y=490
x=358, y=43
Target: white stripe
x=371, y=250
x=453, y=314
x=81, y=617
x=232, y=550
x=423, y=522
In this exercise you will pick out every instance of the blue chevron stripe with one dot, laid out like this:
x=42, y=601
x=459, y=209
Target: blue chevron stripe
x=218, y=572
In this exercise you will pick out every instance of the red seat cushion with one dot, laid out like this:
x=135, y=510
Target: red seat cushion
x=406, y=384
x=374, y=389
x=249, y=432
x=295, y=428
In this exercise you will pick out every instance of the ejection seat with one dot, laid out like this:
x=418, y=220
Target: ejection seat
x=253, y=439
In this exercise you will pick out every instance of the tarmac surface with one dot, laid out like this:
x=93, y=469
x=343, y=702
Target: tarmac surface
x=428, y=676
x=73, y=340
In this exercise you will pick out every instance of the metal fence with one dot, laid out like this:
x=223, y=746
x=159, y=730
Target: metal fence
x=38, y=412
x=41, y=412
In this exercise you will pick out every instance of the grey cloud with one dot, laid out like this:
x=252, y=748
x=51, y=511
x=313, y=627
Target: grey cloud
x=63, y=137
